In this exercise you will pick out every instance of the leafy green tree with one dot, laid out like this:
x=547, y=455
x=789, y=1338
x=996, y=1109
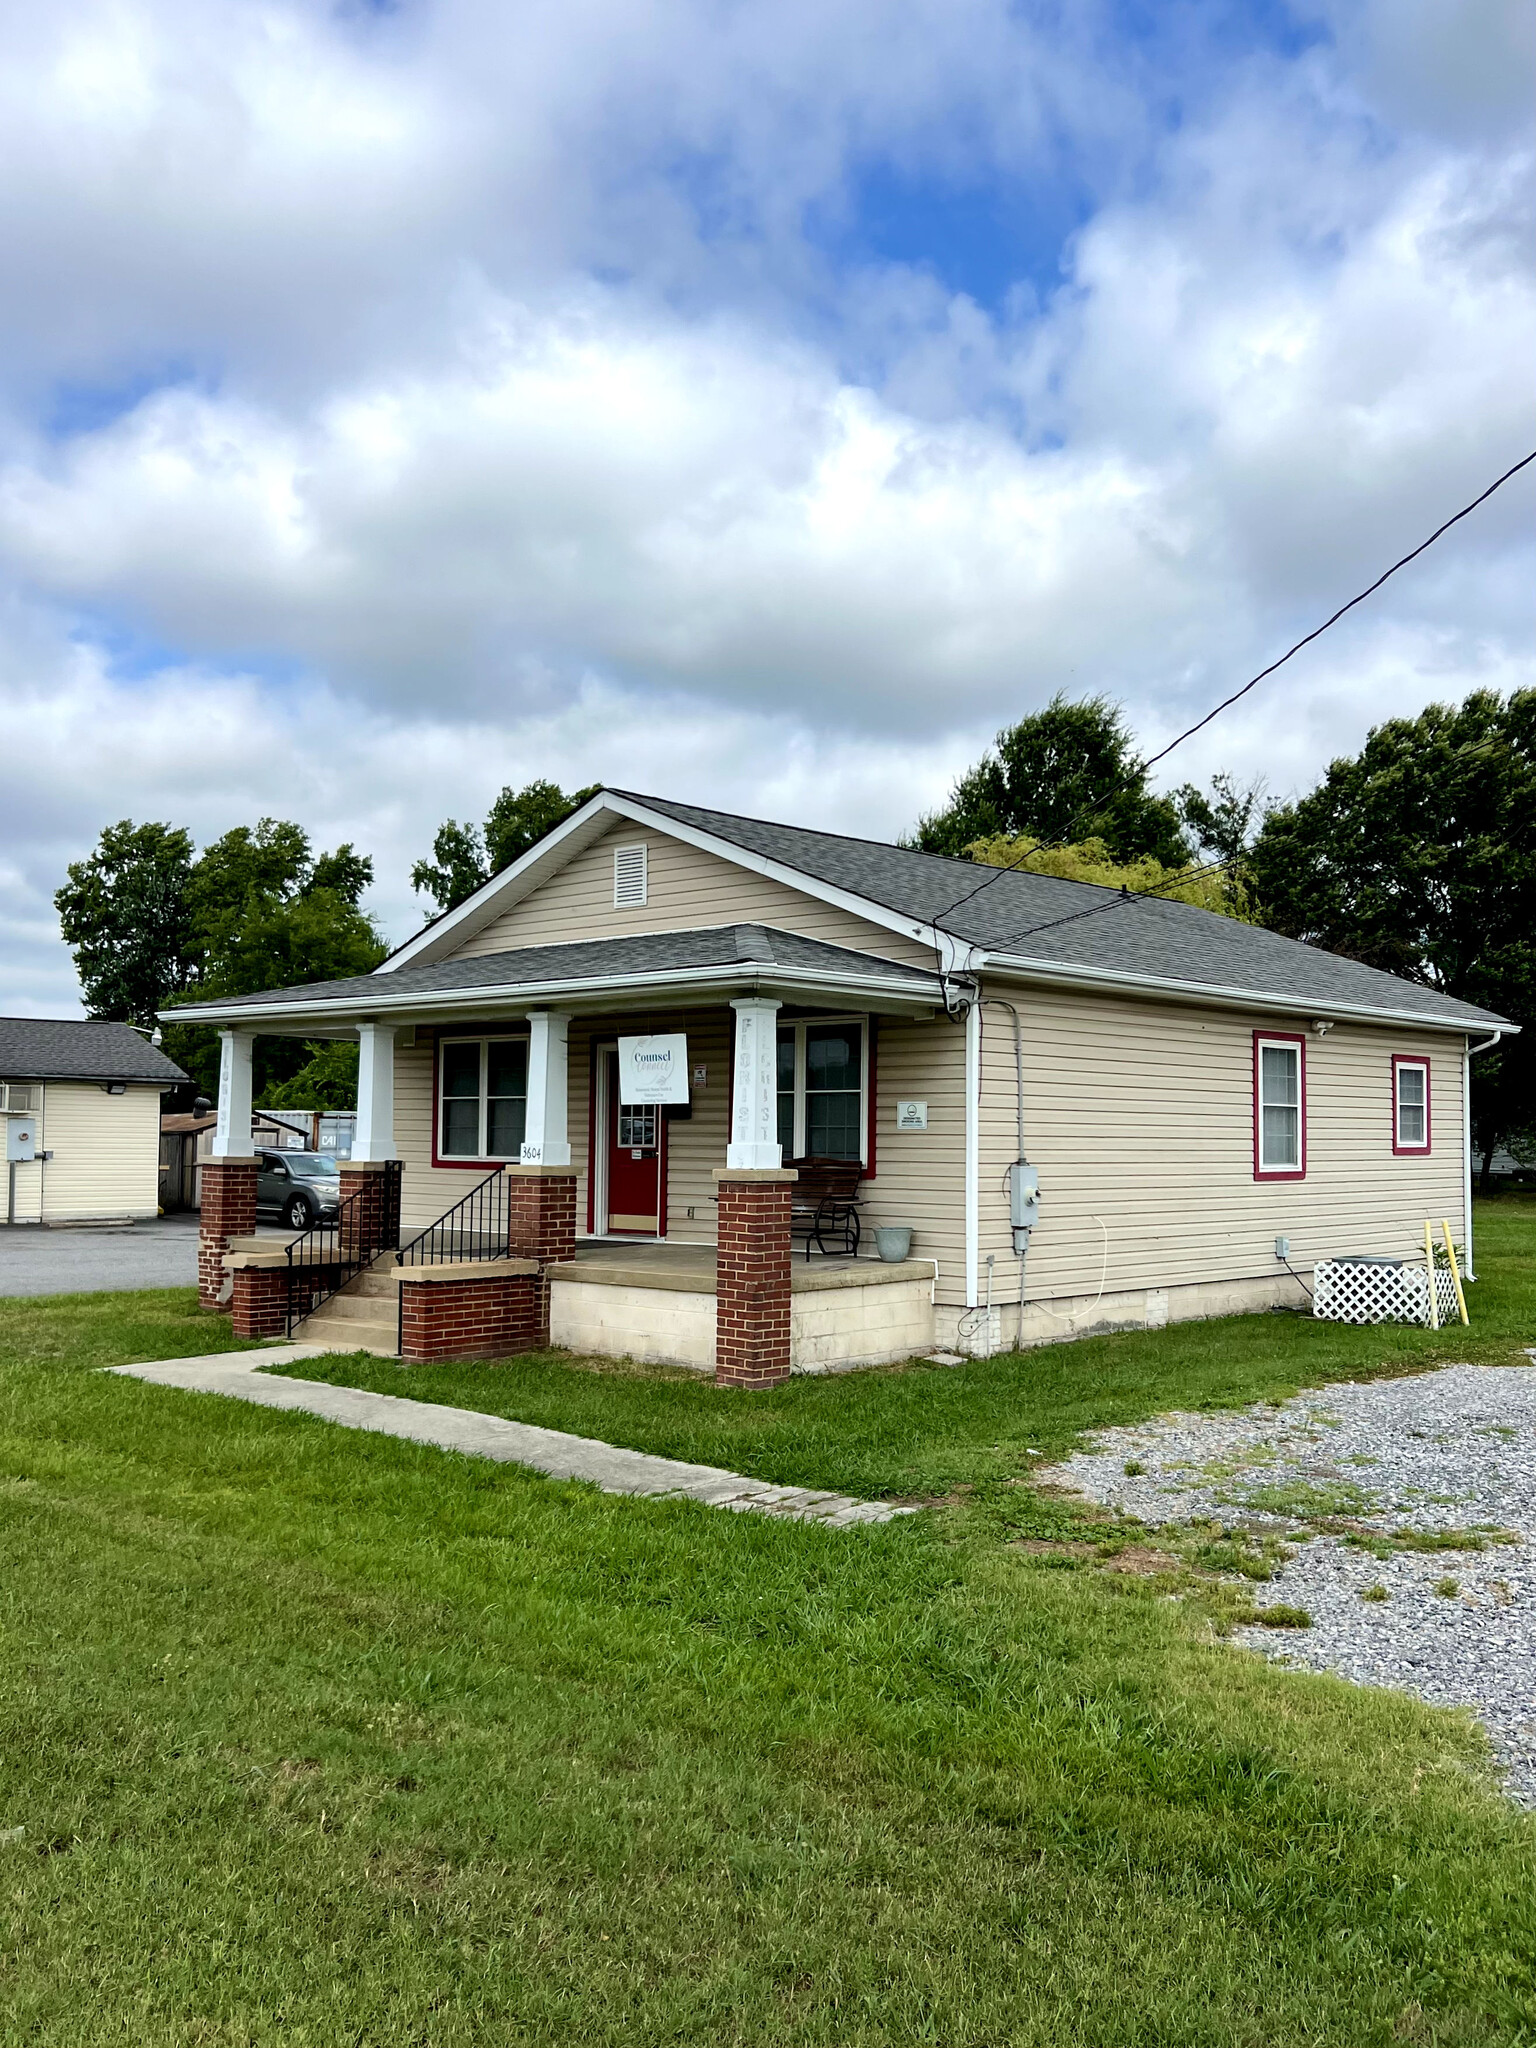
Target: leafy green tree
x=123, y=913
x=1092, y=861
x=1419, y=856
x=1063, y=775
x=1223, y=826
x=266, y=913
x=516, y=821
x=327, y=1079
x=464, y=857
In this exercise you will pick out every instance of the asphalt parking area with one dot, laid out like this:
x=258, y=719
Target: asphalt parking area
x=162, y=1253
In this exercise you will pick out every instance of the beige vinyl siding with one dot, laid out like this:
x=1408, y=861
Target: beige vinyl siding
x=105, y=1153
x=920, y=1175
x=1140, y=1115
x=687, y=890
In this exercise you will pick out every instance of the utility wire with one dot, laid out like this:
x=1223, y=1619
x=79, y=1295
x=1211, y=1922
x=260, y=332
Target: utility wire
x=1369, y=590
x=1048, y=847
x=1114, y=902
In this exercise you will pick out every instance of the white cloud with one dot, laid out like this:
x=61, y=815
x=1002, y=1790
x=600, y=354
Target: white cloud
x=509, y=424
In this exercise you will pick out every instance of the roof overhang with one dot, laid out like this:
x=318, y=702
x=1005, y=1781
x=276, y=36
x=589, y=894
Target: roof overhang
x=1106, y=980
x=684, y=987
x=448, y=934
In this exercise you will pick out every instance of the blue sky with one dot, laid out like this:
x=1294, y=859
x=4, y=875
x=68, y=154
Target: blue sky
x=756, y=405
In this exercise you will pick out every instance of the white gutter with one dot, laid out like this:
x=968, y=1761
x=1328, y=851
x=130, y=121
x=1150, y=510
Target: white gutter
x=972, y=1154
x=385, y=1001
x=1216, y=994
x=1466, y=1138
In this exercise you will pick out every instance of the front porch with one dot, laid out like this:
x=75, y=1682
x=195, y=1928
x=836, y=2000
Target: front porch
x=658, y=1303
x=498, y=1131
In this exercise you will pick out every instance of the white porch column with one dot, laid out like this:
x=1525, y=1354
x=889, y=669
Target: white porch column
x=754, y=1141
x=546, y=1139
x=374, y=1137
x=232, y=1132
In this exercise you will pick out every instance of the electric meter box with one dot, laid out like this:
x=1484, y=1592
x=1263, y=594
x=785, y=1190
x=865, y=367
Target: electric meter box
x=20, y=1139
x=1024, y=1201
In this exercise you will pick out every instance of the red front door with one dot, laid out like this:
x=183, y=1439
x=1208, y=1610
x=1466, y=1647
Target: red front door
x=637, y=1164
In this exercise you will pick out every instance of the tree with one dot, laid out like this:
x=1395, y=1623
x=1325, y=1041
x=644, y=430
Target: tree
x=1419, y=856
x=327, y=1079
x=464, y=857
x=1063, y=775
x=1223, y=826
x=1092, y=861
x=266, y=913
x=123, y=913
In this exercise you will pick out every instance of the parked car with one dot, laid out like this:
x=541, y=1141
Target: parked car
x=301, y=1188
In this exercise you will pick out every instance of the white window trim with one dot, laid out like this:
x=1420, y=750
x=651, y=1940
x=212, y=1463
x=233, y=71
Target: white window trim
x=1291, y=1169
x=799, y=1026
x=637, y=853
x=32, y=1089
x=1401, y=1064
x=484, y=1043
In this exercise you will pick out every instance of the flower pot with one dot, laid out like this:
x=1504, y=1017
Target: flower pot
x=893, y=1241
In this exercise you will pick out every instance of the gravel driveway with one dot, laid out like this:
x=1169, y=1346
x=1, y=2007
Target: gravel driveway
x=1443, y=1453
x=85, y=1261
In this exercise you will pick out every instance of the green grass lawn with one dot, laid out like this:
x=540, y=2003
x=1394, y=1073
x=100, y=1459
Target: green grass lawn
x=317, y=1737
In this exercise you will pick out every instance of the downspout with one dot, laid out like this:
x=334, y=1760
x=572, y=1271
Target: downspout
x=1466, y=1139
x=972, y=1154
x=1018, y=1065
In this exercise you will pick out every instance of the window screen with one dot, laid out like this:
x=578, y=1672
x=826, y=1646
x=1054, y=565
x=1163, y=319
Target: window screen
x=1279, y=1108
x=1412, y=1106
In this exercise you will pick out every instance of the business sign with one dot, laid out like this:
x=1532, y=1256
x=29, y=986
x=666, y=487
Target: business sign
x=653, y=1069
x=911, y=1116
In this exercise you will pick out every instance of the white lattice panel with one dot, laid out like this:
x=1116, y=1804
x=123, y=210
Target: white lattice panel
x=1347, y=1293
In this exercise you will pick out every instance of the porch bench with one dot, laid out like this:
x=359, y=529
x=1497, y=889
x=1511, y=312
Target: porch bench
x=824, y=1204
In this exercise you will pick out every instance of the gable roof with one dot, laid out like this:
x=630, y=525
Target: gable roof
x=684, y=959
x=72, y=1049
x=1041, y=926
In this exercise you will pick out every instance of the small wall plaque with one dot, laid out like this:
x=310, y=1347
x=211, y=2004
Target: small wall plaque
x=911, y=1116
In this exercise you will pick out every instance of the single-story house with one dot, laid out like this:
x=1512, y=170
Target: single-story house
x=1210, y=1108
x=80, y=1101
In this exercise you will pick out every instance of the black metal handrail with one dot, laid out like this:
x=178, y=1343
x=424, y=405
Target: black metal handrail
x=474, y=1228
x=366, y=1223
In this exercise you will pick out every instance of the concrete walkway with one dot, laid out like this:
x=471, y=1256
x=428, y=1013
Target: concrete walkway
x=550, y=1451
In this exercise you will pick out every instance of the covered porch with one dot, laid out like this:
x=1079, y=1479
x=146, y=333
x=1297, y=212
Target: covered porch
x=496, y=1098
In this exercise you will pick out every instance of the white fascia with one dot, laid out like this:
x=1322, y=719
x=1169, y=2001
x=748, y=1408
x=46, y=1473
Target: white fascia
x=515, y=882
x=1108, y=978
x=297, y=1019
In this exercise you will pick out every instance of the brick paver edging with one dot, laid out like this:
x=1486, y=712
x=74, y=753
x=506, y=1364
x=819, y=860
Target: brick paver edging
x=553, y=1452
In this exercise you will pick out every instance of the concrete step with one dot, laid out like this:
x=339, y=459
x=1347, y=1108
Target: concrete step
x=349, y=1333
x=366, y=1308
x=378, y=1283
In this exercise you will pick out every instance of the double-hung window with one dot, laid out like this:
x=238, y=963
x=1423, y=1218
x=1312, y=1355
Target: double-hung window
x=1279, y=1107
x=823, y=1082
x=482, y=1108
x=1410, y=1104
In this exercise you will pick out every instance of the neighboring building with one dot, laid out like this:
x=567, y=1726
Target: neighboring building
x=1190, y=1088
x=186, y=1139
x=92, y=1091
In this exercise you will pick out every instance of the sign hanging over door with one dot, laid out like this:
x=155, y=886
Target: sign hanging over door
x=653, y=1069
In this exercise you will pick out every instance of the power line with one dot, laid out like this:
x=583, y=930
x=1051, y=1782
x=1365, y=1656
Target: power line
x=1369, y=590
x=1177, y=881
x=1048, y=846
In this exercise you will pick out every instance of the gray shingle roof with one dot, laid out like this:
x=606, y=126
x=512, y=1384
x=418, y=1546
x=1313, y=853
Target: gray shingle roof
x=69, y=1049
x=1041, y=918
x=647, y=953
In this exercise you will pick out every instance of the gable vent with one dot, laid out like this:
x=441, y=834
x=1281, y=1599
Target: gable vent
x=629, y=876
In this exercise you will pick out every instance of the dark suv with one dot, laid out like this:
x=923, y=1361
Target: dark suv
x=301, y=1188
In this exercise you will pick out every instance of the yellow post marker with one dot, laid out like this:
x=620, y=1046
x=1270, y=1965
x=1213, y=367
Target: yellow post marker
x=1429, y=1274
x=1450, y=1253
